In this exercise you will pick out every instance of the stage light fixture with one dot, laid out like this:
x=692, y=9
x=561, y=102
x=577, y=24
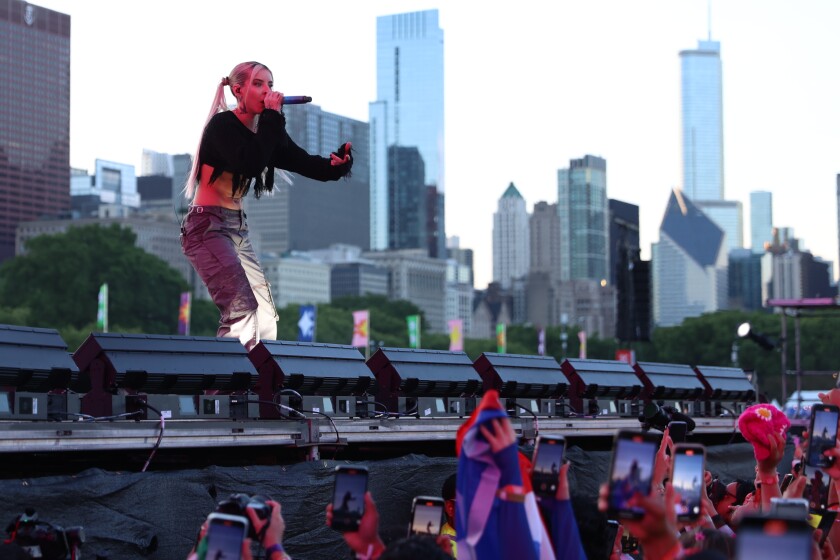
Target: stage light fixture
x=602, y=387
x=323, y=378
x=745, y=330
x=532, y=383
x=413, y=381
x=658, y=417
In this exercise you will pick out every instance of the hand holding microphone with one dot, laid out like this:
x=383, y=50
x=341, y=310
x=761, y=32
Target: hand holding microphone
x=275, y=100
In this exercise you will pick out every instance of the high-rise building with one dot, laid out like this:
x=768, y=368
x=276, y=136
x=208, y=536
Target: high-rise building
x=545, y=240
x=511, y=239
x=110, y=192
x=702, y=122
x=745, y=289
x=310, y=214
x=583, y=210
x=34, y=143
x=761, y=219
x=629, y=275
x=409, y=108
x=689, y=264
x=729, y=216
x=435, y=222
x=406, y=199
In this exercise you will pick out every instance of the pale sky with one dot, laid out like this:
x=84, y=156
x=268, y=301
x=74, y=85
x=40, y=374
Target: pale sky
x=528, y=86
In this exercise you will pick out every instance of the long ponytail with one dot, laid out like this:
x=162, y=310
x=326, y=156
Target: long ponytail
x=240, y=75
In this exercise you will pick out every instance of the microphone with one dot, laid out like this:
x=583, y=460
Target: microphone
x=296, y=99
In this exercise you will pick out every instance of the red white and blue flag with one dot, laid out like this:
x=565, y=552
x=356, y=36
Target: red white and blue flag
x=487, y=526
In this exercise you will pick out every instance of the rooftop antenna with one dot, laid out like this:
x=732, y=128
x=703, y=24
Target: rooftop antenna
x=709, y=10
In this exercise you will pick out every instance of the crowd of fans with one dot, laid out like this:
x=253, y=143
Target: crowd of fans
x=490, y=510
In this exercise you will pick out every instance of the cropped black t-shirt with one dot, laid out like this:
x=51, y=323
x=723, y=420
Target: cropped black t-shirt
x=228, y=145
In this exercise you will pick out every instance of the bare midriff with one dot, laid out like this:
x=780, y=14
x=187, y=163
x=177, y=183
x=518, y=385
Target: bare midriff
x=217, y=193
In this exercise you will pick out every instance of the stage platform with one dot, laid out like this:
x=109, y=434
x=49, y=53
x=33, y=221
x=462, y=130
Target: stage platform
x=311, y=433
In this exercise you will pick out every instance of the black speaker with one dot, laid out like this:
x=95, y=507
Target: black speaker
x=34, y=360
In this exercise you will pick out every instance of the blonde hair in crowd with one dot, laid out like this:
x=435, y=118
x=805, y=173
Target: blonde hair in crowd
x=239, y=76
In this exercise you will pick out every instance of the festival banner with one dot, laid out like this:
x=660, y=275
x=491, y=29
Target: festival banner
x=361, y=328
x=501, y=338
x=306, y=323
x=184, y=314
x=541, y=342
x=456, y=335
x=582, y=338
x=102, y=311
x=413, y=322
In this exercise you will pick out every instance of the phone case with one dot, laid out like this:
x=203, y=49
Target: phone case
x=349, y=498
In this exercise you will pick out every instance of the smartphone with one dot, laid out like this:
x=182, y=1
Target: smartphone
x=822, y=434
x=816, y=489
x=349, y=497
x=225, y=534
x=631, y=472
x=760, y=538
x=426, y=515
x=548, y=458
x=788, y=478
x=677, y=430
x=687, y=477
x=609, y=538
x=793, y=508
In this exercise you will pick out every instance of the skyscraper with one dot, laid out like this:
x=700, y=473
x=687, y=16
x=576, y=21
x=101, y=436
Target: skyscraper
x=702, y=122
x=583, y=209
x=545, y=240
x=406, y=199
x=761, y=219
x=729, y=216
x=310, y=214
x=511, y=239
x=34, y=144
x=689, y=264
x=409, y=109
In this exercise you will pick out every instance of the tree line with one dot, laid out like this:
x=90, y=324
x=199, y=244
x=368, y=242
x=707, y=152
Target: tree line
x=55, y=285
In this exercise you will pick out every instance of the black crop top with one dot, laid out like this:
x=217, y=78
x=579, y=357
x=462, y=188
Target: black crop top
x=228, y=145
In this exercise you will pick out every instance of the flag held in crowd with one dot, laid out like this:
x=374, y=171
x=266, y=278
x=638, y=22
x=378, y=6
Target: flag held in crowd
x=184, y=314
x=456, y=335
x=489, y=527
x=306, y=323
x=102, y=310
x=413, y=322
x=361, y=328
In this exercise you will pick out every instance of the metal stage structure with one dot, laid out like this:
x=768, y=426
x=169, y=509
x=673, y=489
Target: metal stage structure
x=134, y=392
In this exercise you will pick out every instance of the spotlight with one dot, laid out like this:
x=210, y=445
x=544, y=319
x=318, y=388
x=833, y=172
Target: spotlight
x=655, y=416
x=745, y=330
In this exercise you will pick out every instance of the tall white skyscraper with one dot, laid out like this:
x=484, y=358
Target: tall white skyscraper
x=702, y=122
x=511, y=238
x=761, y=220
x=409, y=108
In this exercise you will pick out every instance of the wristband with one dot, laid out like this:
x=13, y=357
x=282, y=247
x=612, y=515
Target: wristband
x=365, y=555
x=768, y=479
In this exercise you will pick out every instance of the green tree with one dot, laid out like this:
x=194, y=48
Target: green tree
x=58, y=281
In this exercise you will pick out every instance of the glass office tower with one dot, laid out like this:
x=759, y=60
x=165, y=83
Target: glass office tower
x=34, y=144
x=702, y=122
x=409, y=110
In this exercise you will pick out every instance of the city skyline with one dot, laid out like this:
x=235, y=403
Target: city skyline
x=522, y=99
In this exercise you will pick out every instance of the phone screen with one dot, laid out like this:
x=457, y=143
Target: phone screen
x=427, y=516
x=349, y=497
x=822, y=435
x=225, y=534
x=816, y=490
x=548, y=458
x=688, y=478
x=762, y=538
x=631, y=472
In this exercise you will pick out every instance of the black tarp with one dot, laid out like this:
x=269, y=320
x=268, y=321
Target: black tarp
x=133, y=515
